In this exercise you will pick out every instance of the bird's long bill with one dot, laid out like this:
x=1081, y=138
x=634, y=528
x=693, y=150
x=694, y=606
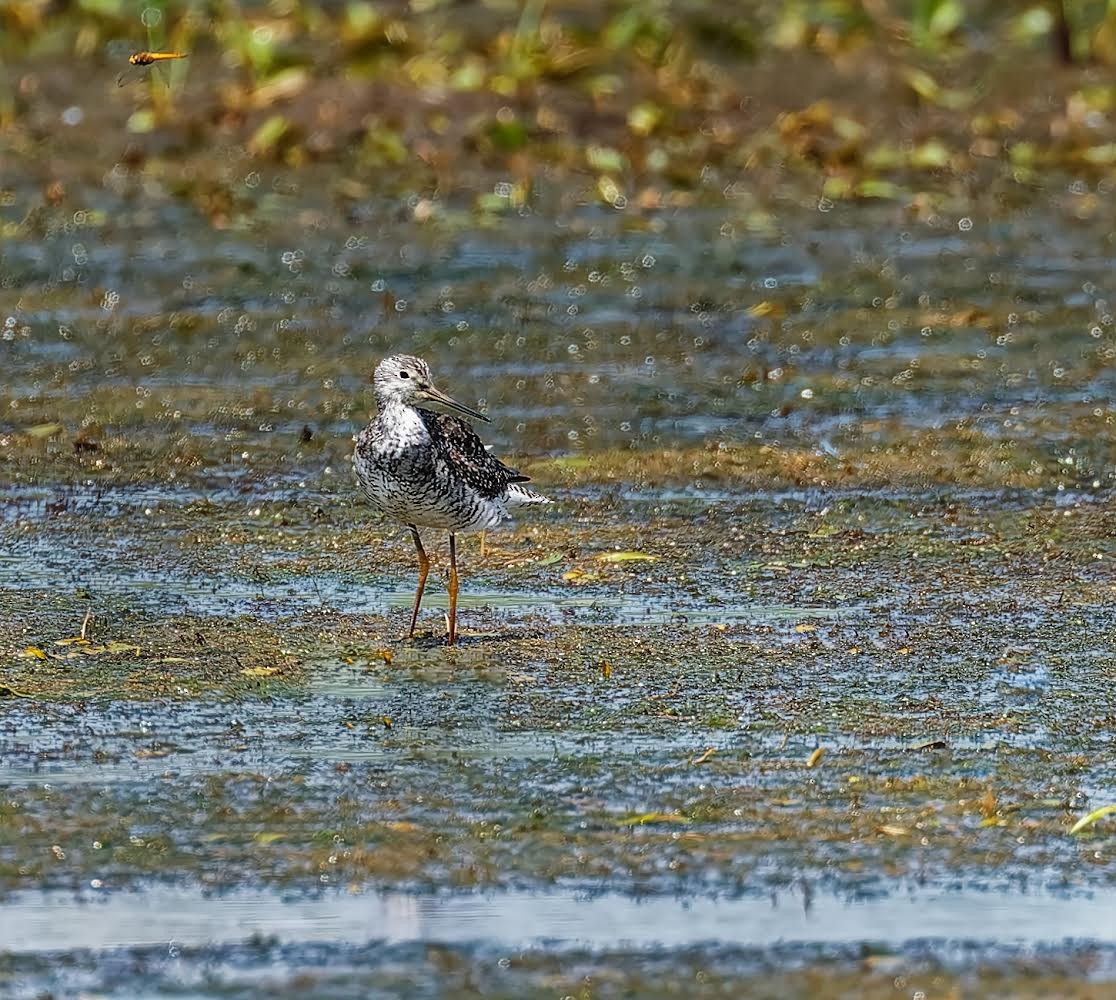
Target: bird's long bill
x=437, y=396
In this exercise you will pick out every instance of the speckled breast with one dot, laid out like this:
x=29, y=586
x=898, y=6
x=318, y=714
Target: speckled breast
x=415, y=491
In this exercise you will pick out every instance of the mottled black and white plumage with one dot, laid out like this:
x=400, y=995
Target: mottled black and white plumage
x=431, y=469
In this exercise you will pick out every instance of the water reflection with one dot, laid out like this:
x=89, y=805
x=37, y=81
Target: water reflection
x=62, y=922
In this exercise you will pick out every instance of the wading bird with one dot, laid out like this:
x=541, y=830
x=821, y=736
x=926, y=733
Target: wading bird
x=431, y=470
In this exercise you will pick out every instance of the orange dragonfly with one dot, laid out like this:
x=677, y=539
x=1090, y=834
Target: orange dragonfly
x=148, y=59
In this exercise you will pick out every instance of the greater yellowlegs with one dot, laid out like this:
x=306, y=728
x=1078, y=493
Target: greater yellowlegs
x=431, y=470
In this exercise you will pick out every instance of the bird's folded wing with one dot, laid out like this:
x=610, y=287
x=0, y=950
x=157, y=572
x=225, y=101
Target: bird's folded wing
x=461, y=448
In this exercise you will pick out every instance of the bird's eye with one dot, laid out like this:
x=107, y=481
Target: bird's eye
x=404, y=375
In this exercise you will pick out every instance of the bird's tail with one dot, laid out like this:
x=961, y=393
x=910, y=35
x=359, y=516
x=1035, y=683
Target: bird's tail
x=518, y=494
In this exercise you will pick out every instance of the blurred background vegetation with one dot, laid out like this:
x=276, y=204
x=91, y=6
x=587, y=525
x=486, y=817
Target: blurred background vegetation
x=875, y=99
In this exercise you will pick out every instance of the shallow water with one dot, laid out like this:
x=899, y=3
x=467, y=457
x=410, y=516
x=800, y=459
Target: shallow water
x=591, y=338
x=855, y=696
x=100, y=921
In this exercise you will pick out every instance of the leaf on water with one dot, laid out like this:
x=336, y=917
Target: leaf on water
x=885, y=190
x=259, y=671
x=606, y=670
x=836, y=187
x=609, y=190
x=923, y=84
x=884, y=157
x=44, y=430
x=76, y=641
x=606, y=160
x=929, y=745
x=141, y=121
x=945, y=16
x=805, y=628
x=766, y=308
x=151, y=754
x=643, y=819
x=284, y=85
x=889, y=830
x=267, y=137
x=1102, y=155
x=615, y=557
x=386, y=720
x=703, y=757
x=932, y=155
x=265, y=837
x=83, y=647
x=549, y=560
x=1090, y=818
x=7, y=691
x=644, y=118
x=34, y=652
x=815, y=758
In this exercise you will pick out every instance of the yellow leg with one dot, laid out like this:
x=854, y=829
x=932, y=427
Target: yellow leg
x=424, y=569
x=453, y=590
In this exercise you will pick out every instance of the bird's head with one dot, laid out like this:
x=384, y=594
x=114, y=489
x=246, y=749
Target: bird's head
x=405, y=379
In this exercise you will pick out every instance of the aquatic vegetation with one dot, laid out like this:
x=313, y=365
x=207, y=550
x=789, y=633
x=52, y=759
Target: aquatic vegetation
x=645, y=99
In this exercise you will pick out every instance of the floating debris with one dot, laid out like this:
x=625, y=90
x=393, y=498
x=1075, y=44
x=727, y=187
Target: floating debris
x=1089, y=819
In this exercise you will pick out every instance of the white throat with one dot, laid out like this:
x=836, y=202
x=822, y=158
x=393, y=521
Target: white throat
x=401, y=425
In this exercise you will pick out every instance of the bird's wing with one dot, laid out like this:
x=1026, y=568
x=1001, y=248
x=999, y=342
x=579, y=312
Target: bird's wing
x=462, y=449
